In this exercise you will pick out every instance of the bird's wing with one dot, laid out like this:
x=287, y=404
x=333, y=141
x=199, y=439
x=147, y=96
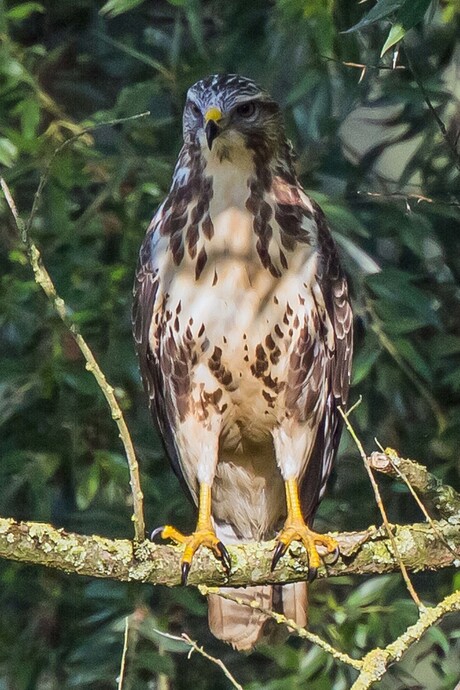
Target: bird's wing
x=147, y=301
x=333, y=365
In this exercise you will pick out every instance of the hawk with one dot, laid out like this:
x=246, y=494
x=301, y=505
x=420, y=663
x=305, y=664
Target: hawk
x=243, y=330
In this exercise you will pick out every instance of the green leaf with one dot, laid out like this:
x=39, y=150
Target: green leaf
x=410, y=14
x=453, y=379
x=371, y=591
x=24, y=10
x=382, y=10
x=439, y=638
x=8, y=152
x=414, y=358
x=29, y=112
x=444, y=345
x=115, y=7
x=401, y=305
x=397, y=32
x=155, y=662
x=308, y=82
x=366, y=357
x=88, y=487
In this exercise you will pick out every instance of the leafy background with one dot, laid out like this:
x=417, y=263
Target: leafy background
x=368, y=144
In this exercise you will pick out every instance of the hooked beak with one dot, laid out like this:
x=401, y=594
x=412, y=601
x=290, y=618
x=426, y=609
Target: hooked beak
x=212, y=129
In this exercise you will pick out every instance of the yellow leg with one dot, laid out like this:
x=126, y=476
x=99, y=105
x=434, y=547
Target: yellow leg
x=295, y=529
x=204, y=535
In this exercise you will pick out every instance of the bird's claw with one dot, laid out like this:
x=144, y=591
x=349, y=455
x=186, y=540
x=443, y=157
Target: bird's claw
x=298, y=531
x=185, y=569
x=333, y=556
x=280, y=550
x=224, y=557
x=312, y=573
x=154, y=533
x=201, y=537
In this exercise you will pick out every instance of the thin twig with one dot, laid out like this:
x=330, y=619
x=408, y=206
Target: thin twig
x=194, y=647
x=360, y=65
x=123, y=656
x=282, y=620
x=418, y=198
x=43, y=279
x=432, y=109
x=379, y=502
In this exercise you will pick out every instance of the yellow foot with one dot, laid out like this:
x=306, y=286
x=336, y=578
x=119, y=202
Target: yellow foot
x=201, y=537
x=297, y=530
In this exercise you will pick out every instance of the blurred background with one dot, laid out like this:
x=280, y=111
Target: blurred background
x=371, y=152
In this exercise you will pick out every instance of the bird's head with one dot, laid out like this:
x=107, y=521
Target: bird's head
x=225, y=112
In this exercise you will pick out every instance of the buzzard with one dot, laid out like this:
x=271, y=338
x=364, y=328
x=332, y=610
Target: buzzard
x=243, y=330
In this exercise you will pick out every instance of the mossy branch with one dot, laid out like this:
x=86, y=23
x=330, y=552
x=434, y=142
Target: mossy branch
x=367, y=552
x=375, y=664
x=436, y=495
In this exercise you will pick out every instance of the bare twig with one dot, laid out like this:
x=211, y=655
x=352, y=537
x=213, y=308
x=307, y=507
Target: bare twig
x=417, y=198
x=282, y=620
x=123, y=656
x=360, y=65
x=43, y=279
x=194, y=647
x=379, y=502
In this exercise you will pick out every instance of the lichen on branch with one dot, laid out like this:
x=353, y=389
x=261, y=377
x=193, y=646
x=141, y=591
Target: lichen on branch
x=366, y=552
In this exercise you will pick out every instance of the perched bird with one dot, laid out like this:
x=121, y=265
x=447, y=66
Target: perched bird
x=243, y=329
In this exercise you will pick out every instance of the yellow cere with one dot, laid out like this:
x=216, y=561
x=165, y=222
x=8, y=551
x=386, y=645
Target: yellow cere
x=213, y=114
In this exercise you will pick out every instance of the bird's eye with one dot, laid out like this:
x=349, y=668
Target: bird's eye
x=246, y=109
x=195, y=109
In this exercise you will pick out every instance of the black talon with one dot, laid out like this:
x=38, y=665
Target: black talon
x=280, y=550
x=185, y=569
x=156, y=532
x=333, y=557
x=224, y=557
x=312, y=573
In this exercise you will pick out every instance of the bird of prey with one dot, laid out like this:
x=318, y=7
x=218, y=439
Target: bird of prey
x=243, y=330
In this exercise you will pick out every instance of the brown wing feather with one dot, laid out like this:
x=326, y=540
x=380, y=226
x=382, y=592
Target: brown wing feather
x=146, y=296
x=336, y=367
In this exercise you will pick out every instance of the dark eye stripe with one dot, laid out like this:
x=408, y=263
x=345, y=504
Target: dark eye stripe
x=194, y=108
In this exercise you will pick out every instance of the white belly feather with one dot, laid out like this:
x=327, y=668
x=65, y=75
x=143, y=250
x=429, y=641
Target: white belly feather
x=235, y=305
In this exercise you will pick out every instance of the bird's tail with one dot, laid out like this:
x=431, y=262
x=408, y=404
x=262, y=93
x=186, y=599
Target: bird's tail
x=243, y=626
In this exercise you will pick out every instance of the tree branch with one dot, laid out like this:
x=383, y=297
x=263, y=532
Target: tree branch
x=281, y=619
x=440, y=496
x=367, y=552
x=377, y=661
